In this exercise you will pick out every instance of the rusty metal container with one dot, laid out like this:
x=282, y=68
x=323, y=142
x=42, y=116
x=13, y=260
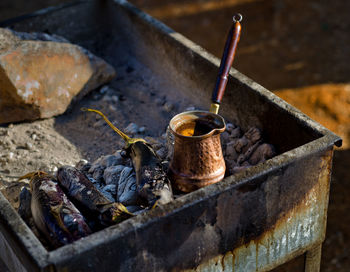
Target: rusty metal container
x=252, y=221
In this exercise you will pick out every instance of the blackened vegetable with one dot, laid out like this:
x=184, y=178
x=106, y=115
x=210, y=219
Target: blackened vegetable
x=153, y=185
x=152, y=182
x=90, y=201
x=54, y=215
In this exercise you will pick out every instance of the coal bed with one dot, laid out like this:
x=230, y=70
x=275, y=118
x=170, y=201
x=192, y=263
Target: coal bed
x=255, y=219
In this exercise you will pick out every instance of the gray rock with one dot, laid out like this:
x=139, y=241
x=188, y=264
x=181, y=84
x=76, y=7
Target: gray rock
x=112, y=108
x=142, y=130
x=99, y=123
x=190, y=108
x=159, y=101
x=115, y=98
x=53, y=169
x=34, y=136
x=132, y=128
x=106, y=98
x=29, y=146
x=168, y=107
x=10, y=156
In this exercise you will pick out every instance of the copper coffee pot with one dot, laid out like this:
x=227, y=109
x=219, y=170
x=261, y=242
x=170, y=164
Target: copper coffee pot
x=197, y=159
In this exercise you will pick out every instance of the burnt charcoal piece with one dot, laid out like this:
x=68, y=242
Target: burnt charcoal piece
x=253, y=135
x=246, y=151
x=112, y=174
x=90, y=201
x=262, y=153
x=127, y=190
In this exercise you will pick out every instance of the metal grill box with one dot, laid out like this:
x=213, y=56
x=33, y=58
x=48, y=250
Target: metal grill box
x=252, y=221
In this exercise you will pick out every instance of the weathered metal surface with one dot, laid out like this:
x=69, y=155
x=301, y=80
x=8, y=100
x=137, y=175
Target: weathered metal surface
x=254, y=220
x=297, y=230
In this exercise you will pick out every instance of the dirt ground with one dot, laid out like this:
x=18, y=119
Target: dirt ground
x=297, y=49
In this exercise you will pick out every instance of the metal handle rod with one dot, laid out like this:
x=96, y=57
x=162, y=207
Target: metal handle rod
x=227, y=60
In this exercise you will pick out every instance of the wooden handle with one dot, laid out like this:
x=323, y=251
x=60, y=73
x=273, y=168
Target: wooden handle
x=227, y=59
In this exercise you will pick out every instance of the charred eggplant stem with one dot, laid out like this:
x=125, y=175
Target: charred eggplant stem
x=153, y=185
x=128, y=140
x=32, y=175
x=91, y=202
x=53, y=213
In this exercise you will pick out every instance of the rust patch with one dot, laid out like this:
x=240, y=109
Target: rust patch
x=296, y=231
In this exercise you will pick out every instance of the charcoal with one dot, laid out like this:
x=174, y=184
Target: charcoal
x=162, y=152
x=109, y=191
x=112, y=174
x=230, y=151
x=225, y=137
x=127, y=190
x=236, y=133
x=98, y=174
x=111, y=160
x=240, y=143
x=253, y=135
x=262, y=153
x=230, y=127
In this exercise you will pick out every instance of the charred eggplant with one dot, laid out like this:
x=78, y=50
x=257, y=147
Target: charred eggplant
x=53, y=213
x=153, y=185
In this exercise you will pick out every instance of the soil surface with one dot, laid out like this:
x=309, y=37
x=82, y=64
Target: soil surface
x=298, y=49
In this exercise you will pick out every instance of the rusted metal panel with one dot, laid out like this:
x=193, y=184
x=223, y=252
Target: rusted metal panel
x=298, y=230
x=251, y=221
